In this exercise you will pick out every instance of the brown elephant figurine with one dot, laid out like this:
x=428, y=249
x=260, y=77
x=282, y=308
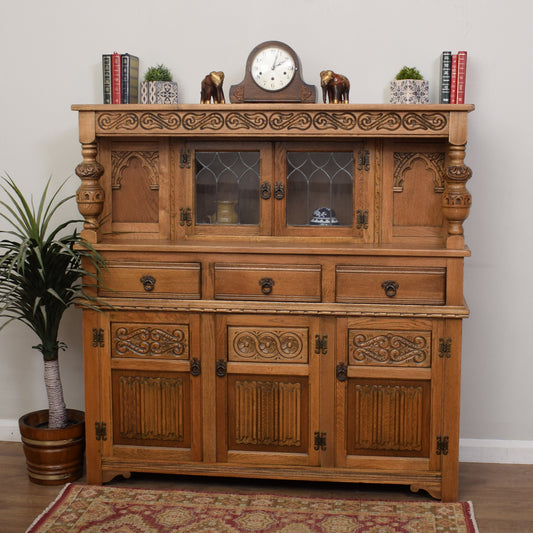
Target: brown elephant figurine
x=212, y=88
x=336, y=86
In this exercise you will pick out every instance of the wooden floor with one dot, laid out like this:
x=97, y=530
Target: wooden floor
x=502, y=494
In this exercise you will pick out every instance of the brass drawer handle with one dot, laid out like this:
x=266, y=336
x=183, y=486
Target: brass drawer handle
x=148, y=283
x=266, y=285
x=390, y=288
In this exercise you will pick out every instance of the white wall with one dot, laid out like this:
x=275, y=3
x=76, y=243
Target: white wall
x=51, y=59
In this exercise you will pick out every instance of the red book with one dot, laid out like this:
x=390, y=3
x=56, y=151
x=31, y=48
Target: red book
x=461, y=76
x=116, y=78
x=453, y=80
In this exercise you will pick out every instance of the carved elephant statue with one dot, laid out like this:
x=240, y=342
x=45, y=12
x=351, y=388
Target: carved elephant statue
x=335, y=86
x=212, y=88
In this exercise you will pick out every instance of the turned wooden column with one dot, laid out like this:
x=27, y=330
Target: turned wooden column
x=90, y=195
x=456, y=200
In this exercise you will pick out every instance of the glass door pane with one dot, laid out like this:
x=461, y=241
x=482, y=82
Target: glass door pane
x=319, y=188
x=227, y=187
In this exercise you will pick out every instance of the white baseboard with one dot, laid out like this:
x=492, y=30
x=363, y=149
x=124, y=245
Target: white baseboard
x=9, y=430
x=470, y=450
x=496, y=451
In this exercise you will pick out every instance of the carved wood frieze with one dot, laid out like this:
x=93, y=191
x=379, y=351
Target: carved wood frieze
x=266, y=344
x=148, y=160
x=151, y=408
x=387, y=418
x=161, y=341
x=389, y=348
x=308, y=121
x=268, y=413
x=434, y=161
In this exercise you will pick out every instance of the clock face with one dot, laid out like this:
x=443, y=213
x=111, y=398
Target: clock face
x=273, y=68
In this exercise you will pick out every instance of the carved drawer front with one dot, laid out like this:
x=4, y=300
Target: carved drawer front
x=279, y=345
x=154, y=280
x=389, y=348
x=151, y=409
x=152, y=341
x=390, y=285
x=299, y=283
x=388, y=417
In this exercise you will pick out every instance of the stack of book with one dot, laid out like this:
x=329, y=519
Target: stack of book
x=120, y=78
x=453, y=78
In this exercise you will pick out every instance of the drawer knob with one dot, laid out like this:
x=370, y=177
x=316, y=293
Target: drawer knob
x=390, y=288
x=148, y=283
x=266, y=285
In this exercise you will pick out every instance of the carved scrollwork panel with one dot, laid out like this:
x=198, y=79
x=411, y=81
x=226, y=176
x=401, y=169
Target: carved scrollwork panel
x=265, y=344
x=389, y=348
x=162, y=341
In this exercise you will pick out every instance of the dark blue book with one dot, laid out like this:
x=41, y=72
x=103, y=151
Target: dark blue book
x=130, y=79
x=106, y=76
x=445, y=77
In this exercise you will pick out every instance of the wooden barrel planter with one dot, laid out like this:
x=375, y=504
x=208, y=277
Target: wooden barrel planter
x=53, y=456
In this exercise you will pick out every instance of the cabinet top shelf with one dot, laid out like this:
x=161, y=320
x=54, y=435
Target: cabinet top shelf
x=275, y=120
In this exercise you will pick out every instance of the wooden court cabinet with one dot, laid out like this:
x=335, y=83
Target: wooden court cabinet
x=286, y=284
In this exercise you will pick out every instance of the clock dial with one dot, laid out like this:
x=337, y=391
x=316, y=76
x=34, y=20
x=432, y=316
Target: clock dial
x=273, y=69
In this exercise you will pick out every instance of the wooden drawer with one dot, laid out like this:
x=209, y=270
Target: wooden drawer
x=375, y=284
x=156, y=280
x=297, y=283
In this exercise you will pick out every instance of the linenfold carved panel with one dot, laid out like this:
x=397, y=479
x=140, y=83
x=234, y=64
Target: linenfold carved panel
x=162, y=341
x=149, y=408
x=388, y=418
x=312, y=122
x=268, y=413
x=267, y=344
x=389, y=348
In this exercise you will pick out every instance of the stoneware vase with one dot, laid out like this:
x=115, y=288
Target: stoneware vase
x=409, y=92
x=159, y=92
x=53, y=456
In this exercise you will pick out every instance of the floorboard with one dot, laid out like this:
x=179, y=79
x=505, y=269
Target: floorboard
x=502, y=494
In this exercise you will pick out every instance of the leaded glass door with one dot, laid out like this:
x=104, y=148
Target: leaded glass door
x=227, y=180
x=324, y=190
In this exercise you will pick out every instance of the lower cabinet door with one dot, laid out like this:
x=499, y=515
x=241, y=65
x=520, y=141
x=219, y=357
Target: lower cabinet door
x=154, y=404
x=267, y=390
x=389, y=389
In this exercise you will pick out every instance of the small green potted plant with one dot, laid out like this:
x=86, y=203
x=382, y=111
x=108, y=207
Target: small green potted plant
x=409, y=87
x=42, y=264
x=158, y=87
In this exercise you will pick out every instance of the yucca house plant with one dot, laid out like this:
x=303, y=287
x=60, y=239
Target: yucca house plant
x=41, y=268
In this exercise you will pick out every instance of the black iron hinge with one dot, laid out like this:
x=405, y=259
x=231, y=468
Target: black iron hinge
x=362, y=219
x=445, y=347
x=185, y=158
x=185, y=216
x=320, y=440
x=321, y=344
x=98, y=337
x=363, y=162
x=101, y=430
x=442, y=445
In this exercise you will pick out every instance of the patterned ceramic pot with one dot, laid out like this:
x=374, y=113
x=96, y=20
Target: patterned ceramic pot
x=159, y=92
x=409, y=92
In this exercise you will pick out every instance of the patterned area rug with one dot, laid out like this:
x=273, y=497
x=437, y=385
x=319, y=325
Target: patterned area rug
x=119, y=510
